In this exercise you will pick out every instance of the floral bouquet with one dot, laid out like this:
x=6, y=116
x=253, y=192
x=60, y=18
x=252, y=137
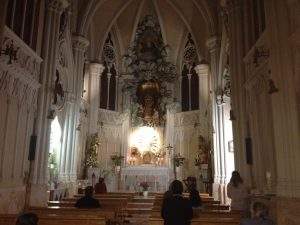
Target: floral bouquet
x=144, y=185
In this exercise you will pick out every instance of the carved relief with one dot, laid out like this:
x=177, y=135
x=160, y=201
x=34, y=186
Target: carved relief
x=19, y=78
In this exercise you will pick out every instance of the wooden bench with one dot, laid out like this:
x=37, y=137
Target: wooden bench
x=202, y=221
x=51, y=219
x=206, y=207
x=206, y=214
x=109, y=213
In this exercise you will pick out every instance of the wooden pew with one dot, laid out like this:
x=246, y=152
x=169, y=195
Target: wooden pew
x=105, y=202
x=206, y=207
x=202, y=221
x=109, y=213
x=206, y=214
x=51, y=219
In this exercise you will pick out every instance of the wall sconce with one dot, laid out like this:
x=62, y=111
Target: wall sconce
x=232, y=116
x=260, y=52
x=10, y=51
x=272, y=87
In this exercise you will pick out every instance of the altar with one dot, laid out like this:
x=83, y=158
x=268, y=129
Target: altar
x=157, y=177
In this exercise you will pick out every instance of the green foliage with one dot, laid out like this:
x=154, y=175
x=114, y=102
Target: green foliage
x=92, y=152
x=117, y=159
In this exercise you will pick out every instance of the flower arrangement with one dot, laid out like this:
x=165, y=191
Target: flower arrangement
x=178, y=160
x=144, y=185
x=117, y=159
x=92, y=152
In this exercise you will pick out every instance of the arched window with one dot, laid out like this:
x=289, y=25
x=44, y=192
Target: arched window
x=189, y=77
x=21, y=17
x=108, y=90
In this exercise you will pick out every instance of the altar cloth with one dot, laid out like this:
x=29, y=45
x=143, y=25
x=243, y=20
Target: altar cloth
x=157, y=177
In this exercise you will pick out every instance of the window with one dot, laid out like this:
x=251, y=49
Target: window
x=189, y=77
x=21, y=17
x=108, y=81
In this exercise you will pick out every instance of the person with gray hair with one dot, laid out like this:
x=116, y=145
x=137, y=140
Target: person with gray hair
x=259, y=215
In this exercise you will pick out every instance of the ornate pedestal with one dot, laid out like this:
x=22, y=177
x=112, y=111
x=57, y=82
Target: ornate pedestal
x=157, y=177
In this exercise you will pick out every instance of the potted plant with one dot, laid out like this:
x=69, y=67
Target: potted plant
x=117, y=161
x=145, y=187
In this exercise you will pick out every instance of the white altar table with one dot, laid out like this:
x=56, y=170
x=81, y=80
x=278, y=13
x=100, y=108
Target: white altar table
x=157, y=177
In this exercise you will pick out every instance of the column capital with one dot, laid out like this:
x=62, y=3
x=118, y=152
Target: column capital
x=80, y=43
x=202, y=69
x=57, y=5
x=213, y=43
x=96, y=69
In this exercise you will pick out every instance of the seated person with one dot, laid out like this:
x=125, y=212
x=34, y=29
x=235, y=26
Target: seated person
x=27, y=219
x=238, y=193
x=194, y=197
x=100, y=187
x=88, y=201
x=259, y=215
x=175, y=209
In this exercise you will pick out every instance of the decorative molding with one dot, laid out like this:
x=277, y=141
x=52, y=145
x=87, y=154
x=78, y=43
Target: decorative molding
x=57, y=5
x=202, y=69
x=80, y=43
x=213, y=43
x=109, y=117
x=96, y=69
x=20, y=78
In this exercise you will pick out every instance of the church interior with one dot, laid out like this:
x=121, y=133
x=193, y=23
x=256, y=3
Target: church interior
x=142, y=92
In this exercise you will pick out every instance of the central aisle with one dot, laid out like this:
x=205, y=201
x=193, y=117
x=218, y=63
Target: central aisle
x=139, y=210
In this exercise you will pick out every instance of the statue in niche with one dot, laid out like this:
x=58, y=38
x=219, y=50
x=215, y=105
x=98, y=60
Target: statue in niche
x=148, y=94
x=147, y=47
x=58, y=92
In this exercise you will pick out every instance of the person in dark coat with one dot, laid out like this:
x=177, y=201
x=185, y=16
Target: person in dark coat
x=88, y=201
x=194, y=197
x=176, y=210
x=27, y=219
x=259, y=216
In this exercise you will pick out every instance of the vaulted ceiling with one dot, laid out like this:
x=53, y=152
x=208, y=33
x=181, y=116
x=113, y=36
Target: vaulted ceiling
x=177, y=18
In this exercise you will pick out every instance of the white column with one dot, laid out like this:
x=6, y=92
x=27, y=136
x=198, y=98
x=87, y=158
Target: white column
x=108, y=89
x=190, y=91
x=213, y=45
x=54, y=9
x=80, y=45
x=117, y=92
x=202, y=70
x=96, y=70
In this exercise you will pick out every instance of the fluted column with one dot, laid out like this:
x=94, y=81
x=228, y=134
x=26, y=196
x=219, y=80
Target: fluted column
x=203, y=73
x=80, y=45
x=237, y=73
x=213, y=45
x=96, y=70
x=116, y=93
x=108, y=90
x=54, y=8
x=190, y=91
